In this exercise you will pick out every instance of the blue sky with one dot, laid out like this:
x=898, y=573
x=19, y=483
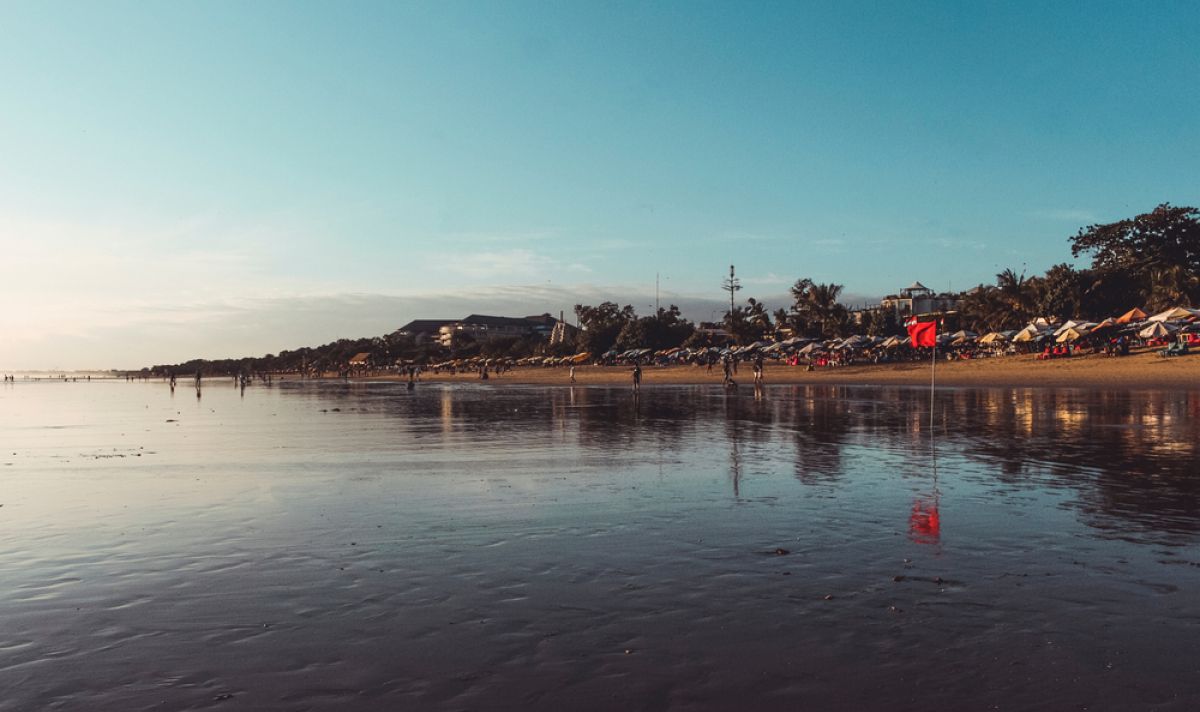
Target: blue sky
x=199, y=177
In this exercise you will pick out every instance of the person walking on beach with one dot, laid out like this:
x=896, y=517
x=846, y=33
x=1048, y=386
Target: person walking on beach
x=758, y=370
x=637, y=376
x=572, y=373
x=727, y=368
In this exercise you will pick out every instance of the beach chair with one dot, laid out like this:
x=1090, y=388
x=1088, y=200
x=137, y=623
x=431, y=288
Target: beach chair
x=1176, y=349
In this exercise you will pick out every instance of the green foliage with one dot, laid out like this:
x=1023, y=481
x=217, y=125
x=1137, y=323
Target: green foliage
x=1060, y=292
x=818, y=312
x=1157, y=253
x=665, y=330
x=601, y=325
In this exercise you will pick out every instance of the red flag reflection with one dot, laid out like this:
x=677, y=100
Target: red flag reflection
x=924, y=524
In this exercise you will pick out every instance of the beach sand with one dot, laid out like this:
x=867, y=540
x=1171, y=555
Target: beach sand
x=1145, y=370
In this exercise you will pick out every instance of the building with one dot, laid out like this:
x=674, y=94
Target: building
x=482, y=327
x=916, y=298
x=424, y=329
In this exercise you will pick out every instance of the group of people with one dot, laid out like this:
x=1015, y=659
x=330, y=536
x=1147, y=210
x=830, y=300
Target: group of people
x=728, y=369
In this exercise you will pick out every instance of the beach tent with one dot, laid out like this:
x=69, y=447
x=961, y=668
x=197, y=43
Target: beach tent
x=1157, y=330
x=1132, y=315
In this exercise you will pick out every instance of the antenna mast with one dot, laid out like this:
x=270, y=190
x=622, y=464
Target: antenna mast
x=731, y=285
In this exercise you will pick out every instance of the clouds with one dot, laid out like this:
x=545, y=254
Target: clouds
x=505, y=265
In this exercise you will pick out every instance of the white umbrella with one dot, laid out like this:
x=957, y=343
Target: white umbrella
x=1073, y=334
x=1175, y=314
x=1157, y=330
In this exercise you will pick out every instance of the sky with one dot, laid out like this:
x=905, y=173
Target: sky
x=216, y=179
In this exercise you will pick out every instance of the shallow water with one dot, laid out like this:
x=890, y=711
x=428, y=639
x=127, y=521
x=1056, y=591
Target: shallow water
x=324, y=546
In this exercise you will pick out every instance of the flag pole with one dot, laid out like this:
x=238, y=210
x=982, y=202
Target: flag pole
x=932, y=378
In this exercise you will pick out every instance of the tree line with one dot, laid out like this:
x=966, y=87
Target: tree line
x=1150, y=261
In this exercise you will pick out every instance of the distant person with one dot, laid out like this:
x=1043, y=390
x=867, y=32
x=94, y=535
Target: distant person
x=758, y=370
x=637, y=376
x=572, y=373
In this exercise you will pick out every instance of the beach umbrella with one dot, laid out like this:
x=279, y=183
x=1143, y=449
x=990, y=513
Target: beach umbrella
x=891, y=342
x=1069, y=324
x=1174, y=314
x=1029, y=333
x=991, y=337
x=1134, y=314
x=1072, y=334
x=809, y=349
x=1157, y=330
x=959, y=338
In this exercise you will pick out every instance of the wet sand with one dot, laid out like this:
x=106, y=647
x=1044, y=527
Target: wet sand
x=1138, y=371
x=359, y=546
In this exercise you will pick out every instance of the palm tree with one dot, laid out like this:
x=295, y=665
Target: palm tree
x=1018, y=293
x=1171, y=287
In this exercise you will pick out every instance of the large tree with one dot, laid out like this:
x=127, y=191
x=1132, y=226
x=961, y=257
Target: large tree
x=1159, y=252
x=601, y=325
x=817, y=306
x=1060, y=292
x=666, y=329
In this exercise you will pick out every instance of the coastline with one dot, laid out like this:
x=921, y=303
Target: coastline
x=1140, y=371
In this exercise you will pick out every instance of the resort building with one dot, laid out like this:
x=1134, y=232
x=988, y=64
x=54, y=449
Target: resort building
x=916, y=298
x=482, y=327
x=424, y=329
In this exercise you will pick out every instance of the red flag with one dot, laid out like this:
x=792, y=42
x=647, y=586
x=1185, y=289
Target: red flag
x=923, y=333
